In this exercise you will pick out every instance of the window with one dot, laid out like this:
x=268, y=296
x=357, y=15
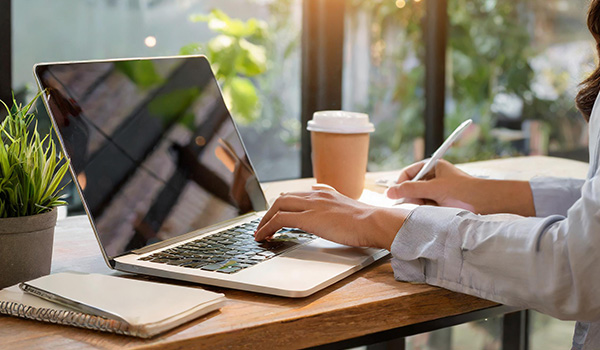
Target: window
x=384, y=76
x=79, y=30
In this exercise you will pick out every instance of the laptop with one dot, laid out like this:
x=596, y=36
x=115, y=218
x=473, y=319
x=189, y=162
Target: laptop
x=166, y=181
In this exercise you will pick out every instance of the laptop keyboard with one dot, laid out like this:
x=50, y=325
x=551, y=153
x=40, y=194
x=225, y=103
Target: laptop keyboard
x=230, y=250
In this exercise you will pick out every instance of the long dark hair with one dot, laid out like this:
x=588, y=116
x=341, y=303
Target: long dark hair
x=589, y=87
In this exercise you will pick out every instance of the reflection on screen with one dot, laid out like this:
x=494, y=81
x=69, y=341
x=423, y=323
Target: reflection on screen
x=153, y=147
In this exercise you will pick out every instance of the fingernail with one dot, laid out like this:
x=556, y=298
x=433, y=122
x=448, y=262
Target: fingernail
x=325, y=187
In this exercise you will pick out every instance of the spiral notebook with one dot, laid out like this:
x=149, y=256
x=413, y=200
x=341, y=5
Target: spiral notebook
x=130, y=307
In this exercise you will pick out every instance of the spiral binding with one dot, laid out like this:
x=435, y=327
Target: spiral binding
x=69, y=318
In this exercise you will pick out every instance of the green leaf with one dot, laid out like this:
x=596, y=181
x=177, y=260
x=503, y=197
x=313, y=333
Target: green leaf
x=218, y=21
x=50, y=190
x=142, y=73
x=237, y=53
x=191, y=49
x=29, y=169
x=243, y=98
x=221, y=23
x=199, y=18
x=223, y=52
x=172, y=106
x=253, y=59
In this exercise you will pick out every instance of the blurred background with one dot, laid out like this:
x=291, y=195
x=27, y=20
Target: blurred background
x=513, y=66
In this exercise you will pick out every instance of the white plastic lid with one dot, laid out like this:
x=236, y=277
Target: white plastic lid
x=340, y=122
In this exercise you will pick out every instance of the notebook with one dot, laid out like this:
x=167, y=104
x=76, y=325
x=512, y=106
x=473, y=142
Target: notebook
x=108, y=303
x=167, y=183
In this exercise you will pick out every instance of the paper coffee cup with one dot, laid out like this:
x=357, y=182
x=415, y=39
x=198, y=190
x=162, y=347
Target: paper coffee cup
x=340, y=149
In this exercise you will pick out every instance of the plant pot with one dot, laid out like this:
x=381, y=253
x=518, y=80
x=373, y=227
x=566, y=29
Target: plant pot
x=26, y=247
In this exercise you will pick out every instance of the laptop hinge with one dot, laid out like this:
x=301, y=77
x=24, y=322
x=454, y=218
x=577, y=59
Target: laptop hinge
x=189, y=235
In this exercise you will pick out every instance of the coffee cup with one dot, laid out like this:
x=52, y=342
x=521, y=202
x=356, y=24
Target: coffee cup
x=340, y=149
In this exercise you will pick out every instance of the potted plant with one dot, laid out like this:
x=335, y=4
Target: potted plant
x=30, y=175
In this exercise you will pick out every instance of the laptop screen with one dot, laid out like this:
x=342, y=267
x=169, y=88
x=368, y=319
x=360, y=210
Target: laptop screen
x=153, y=148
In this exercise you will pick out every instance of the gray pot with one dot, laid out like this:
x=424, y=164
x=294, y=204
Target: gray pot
x=26, y=247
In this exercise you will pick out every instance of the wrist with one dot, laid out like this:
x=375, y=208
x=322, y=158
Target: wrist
x=387, y=223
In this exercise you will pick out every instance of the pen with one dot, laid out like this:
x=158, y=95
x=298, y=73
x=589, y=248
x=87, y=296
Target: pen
x=439, y=153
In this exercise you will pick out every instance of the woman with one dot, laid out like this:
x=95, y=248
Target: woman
x=543, y=255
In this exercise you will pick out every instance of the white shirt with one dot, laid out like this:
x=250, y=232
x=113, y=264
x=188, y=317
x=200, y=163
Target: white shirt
x=549, y=263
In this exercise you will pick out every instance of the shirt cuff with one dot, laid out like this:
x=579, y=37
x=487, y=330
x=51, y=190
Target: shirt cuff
x=554, y=195
x=428, y=245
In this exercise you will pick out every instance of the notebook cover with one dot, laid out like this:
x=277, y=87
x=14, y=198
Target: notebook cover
x=148, y=308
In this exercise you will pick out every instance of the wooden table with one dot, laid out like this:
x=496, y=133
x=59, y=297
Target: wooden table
x=367, y=307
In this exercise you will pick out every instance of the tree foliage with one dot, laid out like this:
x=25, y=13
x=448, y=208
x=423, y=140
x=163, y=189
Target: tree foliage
x=237, y=54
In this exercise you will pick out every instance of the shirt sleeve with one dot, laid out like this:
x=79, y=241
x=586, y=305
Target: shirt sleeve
x=554, y=195
x=547, y=264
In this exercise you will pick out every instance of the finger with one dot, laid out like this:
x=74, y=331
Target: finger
x=417, y=189
x=431, y=174
x=444, y=168
x=298, y=201
x=324, y=187
x=410, y=171
x=276, y=222
x=417, y=201
x=296, y=194
x=291, y=202
x=430, y=202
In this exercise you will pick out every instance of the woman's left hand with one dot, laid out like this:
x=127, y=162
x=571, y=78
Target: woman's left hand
x=448, y=186
x=335, y=217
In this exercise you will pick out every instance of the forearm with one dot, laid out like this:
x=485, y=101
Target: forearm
x=504, y=196
x=545, y=264
x=454, y=188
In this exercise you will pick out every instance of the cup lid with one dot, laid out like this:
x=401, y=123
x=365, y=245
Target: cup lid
x=340, y=122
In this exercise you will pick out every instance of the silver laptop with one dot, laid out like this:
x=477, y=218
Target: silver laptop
x=166, y=182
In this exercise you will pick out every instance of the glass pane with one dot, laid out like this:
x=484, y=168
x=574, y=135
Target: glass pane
x=548, y=333
x=485, y=334
x=514, y=66
x=264, y=87
x=384, y=77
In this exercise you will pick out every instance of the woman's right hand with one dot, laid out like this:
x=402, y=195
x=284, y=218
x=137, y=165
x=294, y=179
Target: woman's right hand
x=449, y=186
x=335, y=217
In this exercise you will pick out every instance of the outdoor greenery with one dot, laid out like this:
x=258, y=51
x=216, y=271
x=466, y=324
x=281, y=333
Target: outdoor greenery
x=264, y=61
x=489, y=55
x=396, y=97
x=30, y=168
x=236, y=55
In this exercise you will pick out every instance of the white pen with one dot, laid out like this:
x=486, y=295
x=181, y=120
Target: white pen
x=439, y=153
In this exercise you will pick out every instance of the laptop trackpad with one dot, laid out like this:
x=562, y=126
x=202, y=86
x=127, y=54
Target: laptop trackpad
x=327, y=251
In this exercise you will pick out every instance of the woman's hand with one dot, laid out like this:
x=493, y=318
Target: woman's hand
x=335, y=217
x=449, y=186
